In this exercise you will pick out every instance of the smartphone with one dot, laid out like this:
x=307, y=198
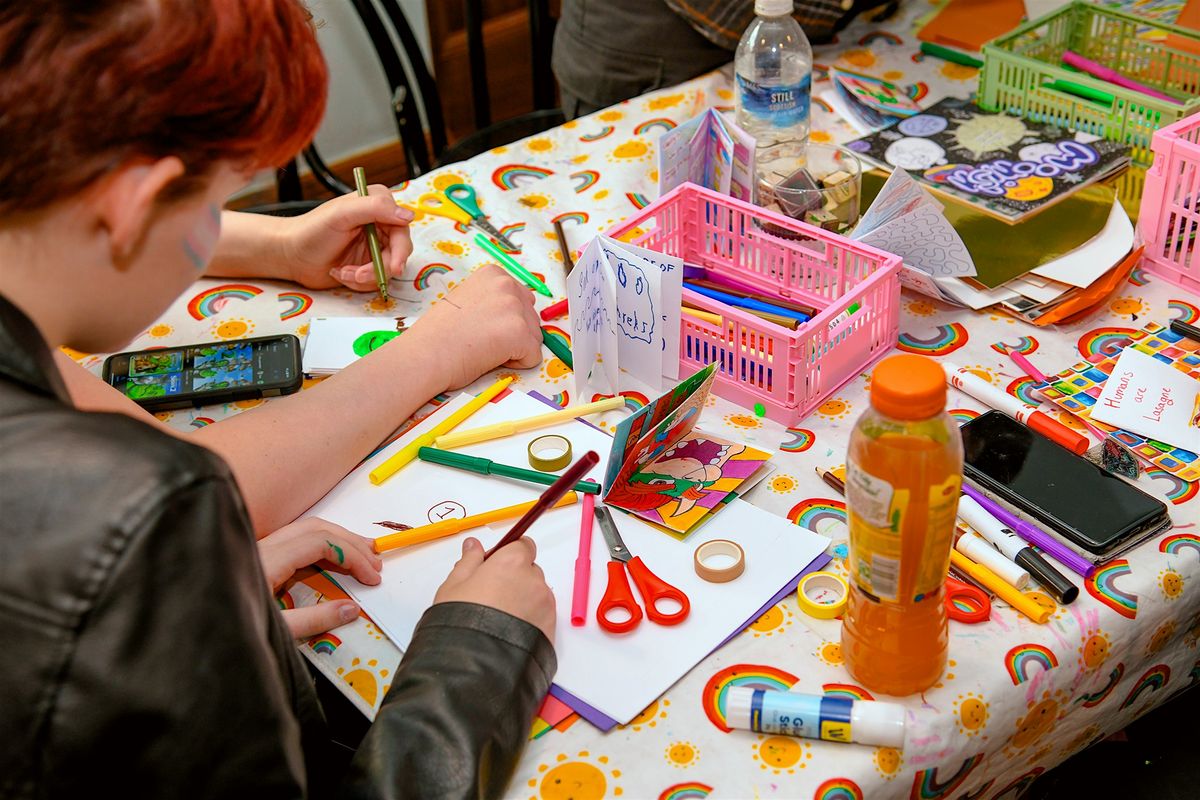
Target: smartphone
x=207, y=374
x=1095, y=511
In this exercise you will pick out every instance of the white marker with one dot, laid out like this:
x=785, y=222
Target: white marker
x=978, y=550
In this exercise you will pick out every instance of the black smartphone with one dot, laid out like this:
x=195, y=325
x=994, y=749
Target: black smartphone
x=1094, y=510
x=207, y=374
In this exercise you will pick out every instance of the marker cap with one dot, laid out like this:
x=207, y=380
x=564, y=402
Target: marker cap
x=1056, y=432
x=1054, y=582
x=978, y=550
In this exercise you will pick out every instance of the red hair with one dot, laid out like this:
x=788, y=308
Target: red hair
x=87, y=84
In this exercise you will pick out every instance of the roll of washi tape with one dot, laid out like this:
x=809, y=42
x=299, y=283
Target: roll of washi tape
x=720, y=547
x=822, y=595
x=549, y=453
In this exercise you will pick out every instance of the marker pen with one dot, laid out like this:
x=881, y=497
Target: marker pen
x=1008, y=543
x=1033, y=534
x=966, y=381
x=832, y=718
x=978, y=550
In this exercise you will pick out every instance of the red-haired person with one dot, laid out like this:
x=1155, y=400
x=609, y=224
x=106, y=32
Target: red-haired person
x=146, y=650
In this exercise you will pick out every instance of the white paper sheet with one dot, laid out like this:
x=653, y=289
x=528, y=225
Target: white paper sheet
x=335, y=343
x=1146, y=396
x=617, y=674
x=1084, y=265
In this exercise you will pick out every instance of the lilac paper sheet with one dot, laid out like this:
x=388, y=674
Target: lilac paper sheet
x=606, y=723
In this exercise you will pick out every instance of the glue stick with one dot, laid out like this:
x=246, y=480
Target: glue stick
x=834, y=719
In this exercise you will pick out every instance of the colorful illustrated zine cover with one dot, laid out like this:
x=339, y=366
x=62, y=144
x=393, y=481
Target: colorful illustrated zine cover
x=664, y=471
x=707, y=150
x=1078, y=388
x=1007, y=166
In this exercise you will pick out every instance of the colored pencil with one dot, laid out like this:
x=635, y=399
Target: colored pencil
x=381, y=276
x=550, y=497
x=449, y=527
x=563, y=247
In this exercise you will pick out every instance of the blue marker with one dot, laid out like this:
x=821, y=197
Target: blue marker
x=746, y=302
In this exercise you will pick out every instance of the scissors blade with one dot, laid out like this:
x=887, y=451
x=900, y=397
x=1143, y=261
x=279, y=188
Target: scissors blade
x=491, y=230
x=616, y=547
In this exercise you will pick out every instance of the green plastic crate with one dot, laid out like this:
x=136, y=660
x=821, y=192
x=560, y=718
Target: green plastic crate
x=1017, y=65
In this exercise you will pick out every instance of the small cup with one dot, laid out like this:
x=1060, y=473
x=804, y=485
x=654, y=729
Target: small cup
x=816, y=183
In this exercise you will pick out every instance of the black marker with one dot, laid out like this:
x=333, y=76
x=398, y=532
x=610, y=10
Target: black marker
x=1183, y=329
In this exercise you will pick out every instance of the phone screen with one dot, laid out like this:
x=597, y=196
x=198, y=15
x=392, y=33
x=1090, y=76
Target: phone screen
x=205, y=368
x=1054, y=482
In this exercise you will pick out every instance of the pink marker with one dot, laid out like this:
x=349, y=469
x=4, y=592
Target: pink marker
x=1027, y=367
x=583, y=562
x=1112, y=76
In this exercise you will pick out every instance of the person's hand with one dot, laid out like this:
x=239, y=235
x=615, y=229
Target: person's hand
x=314, y=541
x=328, y=246
x=487, y=321
x=509, y=581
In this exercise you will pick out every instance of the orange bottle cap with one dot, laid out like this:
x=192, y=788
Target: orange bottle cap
x=908, y=387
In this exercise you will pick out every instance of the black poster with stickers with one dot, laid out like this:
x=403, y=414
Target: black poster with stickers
x=1006, y=166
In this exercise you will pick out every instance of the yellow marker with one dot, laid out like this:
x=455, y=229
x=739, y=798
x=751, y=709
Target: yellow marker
x=485, y=433
x=993, y=583
x=409, y=452
x=440, y=530
x=707, y=316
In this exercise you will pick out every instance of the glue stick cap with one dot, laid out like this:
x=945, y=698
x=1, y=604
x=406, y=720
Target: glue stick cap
x=772, y=8
x=880, y=724
x=909, y=387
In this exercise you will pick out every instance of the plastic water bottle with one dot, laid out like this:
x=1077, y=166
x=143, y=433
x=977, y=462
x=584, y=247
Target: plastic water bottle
x=903, y=476
x=773, y=76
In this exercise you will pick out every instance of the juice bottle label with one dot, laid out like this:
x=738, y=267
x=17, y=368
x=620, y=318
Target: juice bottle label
x=877, y=512
x=943, y=508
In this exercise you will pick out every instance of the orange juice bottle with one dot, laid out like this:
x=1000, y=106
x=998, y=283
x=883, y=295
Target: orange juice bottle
x=903, y=475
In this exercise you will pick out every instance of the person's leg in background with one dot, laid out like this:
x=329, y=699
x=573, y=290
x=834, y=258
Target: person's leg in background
x=606, y=51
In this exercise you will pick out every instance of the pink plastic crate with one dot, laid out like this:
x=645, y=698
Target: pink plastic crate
x=789, y=372
x=1169, y=217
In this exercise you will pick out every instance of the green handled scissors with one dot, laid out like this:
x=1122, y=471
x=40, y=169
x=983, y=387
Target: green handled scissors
x=464, y=197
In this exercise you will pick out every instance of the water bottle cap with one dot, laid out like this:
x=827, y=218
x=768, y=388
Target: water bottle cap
x=908, y=387
x=772, y=8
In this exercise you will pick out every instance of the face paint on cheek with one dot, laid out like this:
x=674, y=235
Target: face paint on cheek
x=200, y=244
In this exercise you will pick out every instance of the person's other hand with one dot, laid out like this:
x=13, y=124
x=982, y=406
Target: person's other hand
x=487, y=321
x=312, y=541
x=509, y=581
x=328, y=246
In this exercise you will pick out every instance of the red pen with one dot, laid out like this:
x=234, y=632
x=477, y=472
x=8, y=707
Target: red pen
x=554, y=310
x=549, y=497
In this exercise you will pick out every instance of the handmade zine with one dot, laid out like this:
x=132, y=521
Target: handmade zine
x=1007, y=166
x=624, y=305
x=709, y=151
x=664, y=471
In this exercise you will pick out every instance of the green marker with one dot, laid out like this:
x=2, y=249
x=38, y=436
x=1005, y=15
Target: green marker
x=1079, y=90
x=485, y=466
x=953, y=56
x=559, y=349
x=509, y=263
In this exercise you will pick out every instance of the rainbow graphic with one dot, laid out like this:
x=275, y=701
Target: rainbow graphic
x=633, y=400
x=510, y=176
x=880, y=36
x=516, y=227
x=1102, y=586
x=1023, y=656
x=578, y=217
x=285, y=601
x=585, y=179
x=1155, y=678
x=756, y=676
x=1177, y=543
x=945, y=340
x=918, y=57
x=685, y=791
x=598, y=135
x=926, y=785
x=1139, y=277
x=838, y=789
x=211, y=301
x=200, y=422
x=918, y=91
x=650, y=124
x=421, y=282
x=325, y=643
x=1025, y=345
x=559, y=334
x=1093, y=699
x=1017, y=787
x=816, y=101
x=962, y=414
x=815, y=511
x=1104, y=342
x=802, y=439
x=639, y=201
x=1187, y=312
x=820, y=72
x=1023, y=389
x=297, y=302
x=847, y=690
x=562, y=399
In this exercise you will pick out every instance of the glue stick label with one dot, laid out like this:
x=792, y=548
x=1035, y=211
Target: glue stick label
x=810, y=716
x=876, y=511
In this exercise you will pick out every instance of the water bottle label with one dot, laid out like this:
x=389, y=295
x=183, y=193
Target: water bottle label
x=782, y=106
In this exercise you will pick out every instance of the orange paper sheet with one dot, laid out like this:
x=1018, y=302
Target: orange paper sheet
x=970, y=24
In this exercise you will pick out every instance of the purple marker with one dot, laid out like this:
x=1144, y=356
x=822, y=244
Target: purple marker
x=1033, y=534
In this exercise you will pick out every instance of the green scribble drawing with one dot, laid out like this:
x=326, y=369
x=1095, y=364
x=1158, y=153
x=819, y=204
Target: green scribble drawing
x=341, y=556
x=373, y=340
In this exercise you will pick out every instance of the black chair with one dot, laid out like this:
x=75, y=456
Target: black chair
x=417, y=105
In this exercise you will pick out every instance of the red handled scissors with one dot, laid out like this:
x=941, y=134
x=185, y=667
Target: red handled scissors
x=966, y=603
x=618, y=595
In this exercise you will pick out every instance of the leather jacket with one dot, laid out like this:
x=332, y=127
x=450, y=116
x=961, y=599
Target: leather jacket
x=144, y=651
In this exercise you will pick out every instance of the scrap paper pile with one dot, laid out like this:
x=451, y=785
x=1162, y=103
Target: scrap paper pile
x=335, y=343
x=1047, y=245
x=624, y=306
x=710, y=151
x=664, y=471
x=637, y=666
x=1127, y=393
